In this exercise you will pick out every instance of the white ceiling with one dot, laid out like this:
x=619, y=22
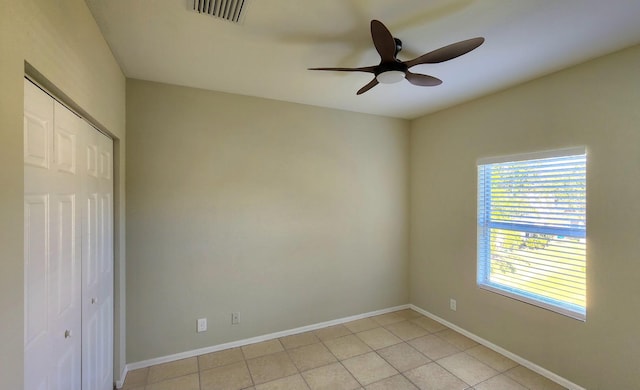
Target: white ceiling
x=268, y=54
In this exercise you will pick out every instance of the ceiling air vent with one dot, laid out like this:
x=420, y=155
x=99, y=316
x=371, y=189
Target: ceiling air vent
x=231, y=10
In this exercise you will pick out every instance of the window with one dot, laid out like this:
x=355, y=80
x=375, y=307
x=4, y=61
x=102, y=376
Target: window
x=532, y=229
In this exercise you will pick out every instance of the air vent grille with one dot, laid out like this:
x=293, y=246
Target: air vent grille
x=231, y=10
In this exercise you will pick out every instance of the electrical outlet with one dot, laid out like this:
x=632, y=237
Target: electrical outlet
x=235, y=318
x=201, y=325
x=453, y=304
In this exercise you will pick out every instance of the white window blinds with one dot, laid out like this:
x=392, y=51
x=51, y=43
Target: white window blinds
x=532, y=229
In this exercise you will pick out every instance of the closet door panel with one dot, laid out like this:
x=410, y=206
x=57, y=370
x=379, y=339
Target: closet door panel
x=38, y=132
x=97, y=278
x=52, y=245
x=65, y=249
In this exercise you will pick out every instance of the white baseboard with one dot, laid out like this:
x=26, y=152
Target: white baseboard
x=240, y=343
x=123, y=375
x=518, y=359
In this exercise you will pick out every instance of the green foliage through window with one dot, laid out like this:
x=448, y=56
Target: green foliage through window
x=532, y=229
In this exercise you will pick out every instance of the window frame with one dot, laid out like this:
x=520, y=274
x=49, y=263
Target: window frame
x=483, y=237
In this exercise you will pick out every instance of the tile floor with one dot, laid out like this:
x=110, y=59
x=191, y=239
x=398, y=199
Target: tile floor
x=399, y=350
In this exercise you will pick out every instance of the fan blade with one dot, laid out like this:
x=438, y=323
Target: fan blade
x=370, y=69
x=422, y=79
x=367, y=87
x=383, y=41
x=447, y=53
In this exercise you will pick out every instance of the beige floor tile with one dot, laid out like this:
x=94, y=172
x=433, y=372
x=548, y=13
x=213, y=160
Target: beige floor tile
x=403, y=357
x=500, y=382
x=491, y=358
x=429, y=324
x=260, y=349
x=299, y=340
x=270, y=367
x=230, y=377
x=275, y=364
x=408, y=314
x=397, y=382
x=332, y=332
x=406, y=330
x=220, y=358
x=188, y=382
x=532, y=380
x=361, y=325
x=311, y=356
x=331, y=377
x=378, y=338
x=369, y=368
x=433, y=377
x=136, y=378
x=347, y=346
x=467, y=368
x=433, y=346
x=175, y=369
x=460, y=341
x=388, y=318
x=404, y=341
x=294, y=382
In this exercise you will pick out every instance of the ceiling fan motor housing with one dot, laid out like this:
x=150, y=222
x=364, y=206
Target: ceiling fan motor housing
x=391, y=66
x=391, y=72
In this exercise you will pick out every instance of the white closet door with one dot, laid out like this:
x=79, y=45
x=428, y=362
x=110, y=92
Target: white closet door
x=68, y=234
x=52, y=338
x=97, y=261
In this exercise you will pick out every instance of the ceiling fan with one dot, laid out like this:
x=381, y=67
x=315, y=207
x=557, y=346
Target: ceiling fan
x=392, y=70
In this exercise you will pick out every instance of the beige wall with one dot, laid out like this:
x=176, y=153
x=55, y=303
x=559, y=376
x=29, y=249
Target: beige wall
x=61, y=41
x=289, y=214
x=596, y=104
